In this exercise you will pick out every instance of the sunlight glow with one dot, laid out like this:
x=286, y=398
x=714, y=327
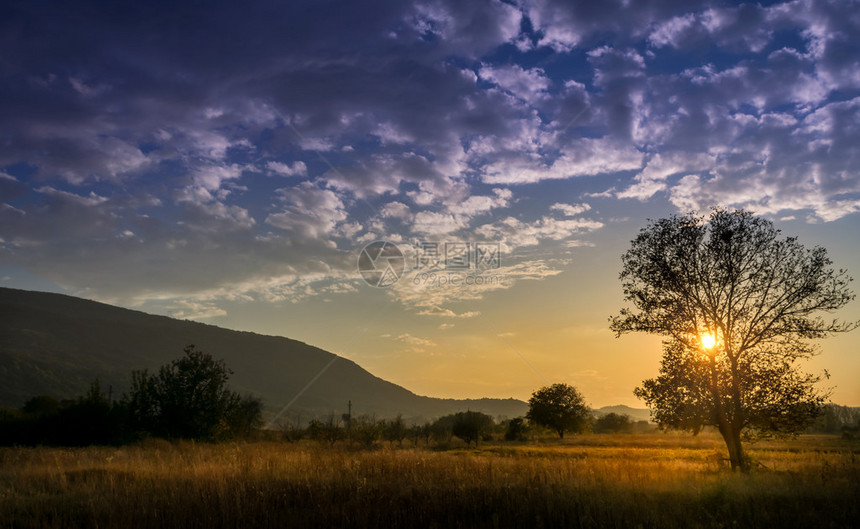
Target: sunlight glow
x=708, y=341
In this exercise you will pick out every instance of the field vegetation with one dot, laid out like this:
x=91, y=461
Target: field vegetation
x=593, y=480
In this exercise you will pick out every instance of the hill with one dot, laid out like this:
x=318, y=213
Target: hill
x=53, y=344
x=637, y=414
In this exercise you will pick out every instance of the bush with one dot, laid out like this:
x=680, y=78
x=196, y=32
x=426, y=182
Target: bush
x=613, y=423
x=472, y=426
x=516, y=429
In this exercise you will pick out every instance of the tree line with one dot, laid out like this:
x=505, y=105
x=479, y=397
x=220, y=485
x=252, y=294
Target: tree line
x=558, y=409
x=188, y=398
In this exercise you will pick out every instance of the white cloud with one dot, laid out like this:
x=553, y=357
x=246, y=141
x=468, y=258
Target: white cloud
x=297, y=168
x=311, y=212
x=653, y=178
x=587, y=156
x=397, y=210
x=434, y=223
x=514, y=233
x=447, y=313
x=442, y=289
x=416, y=343
x=570, y=210
x=530, y=85
x=194, y=310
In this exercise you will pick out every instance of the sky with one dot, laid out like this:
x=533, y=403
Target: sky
x=228, y=162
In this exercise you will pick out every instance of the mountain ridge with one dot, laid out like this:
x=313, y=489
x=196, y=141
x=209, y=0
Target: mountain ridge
x=56, y=344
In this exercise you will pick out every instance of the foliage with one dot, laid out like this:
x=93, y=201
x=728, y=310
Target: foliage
x=732, y=277
x=441, y=430
x=613, y=423
x=516, y=429
x=189, y=399
x=327, y=430
x=186, y=399
x=650, y=481
x=366, y=430
x=560, y=407
x=421, y=432
x=835, y=419
x=395, y=430
x=89, y=419
x=41, y=405
x=471, y=426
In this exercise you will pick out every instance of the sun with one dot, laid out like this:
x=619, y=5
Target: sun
x=708, y=341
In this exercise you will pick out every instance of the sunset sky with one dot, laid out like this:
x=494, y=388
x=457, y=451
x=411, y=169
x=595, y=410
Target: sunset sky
x=227, y=163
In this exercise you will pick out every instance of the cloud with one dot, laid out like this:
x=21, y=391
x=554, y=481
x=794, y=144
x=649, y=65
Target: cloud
x=530, y=85
x=416, y=344
x=142, y=159
x=585, y=157
x=570, y=210
x=192, y=310
x=310, y=212
x=297, y=168
x=514, y=233
x=433, y=290
x=447, y=313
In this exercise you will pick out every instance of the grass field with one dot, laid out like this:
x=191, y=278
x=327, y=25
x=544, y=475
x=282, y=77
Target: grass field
x=656, y=480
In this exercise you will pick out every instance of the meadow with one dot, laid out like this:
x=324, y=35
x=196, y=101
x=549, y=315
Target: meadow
x=626, y=480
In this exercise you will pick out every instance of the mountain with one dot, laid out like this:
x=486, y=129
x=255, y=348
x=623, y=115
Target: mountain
x=53, y=344
x=637, y=414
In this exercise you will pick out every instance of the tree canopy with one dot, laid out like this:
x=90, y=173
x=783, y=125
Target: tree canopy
x=560, y=407
x=189, y=398
x=737, y=303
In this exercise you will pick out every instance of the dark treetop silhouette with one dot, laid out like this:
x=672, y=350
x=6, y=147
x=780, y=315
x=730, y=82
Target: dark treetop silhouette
x=560, y=407
x=737, y=304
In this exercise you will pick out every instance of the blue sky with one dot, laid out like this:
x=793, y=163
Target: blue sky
x=227, y=162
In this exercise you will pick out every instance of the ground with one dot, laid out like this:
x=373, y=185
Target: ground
x=652, y=480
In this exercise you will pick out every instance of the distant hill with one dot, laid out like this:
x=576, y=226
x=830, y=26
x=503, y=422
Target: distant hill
x=637, y=414
x=53, y=344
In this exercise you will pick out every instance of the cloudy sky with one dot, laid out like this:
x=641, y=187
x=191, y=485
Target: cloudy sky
x=227, y=163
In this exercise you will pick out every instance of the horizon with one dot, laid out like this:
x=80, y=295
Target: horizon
x=231, y=168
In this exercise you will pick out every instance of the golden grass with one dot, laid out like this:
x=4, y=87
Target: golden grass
x=655, y=481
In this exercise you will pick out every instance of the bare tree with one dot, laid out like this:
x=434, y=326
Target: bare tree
x=737, y=304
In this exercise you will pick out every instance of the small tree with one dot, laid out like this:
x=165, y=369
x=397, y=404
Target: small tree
x=737, y=304
x=395, y=430
x=516, y=429
x=471, y=426
x=41, y=405
x=441, y=429
x=559, y=407
x=327, y=430
x=613, y=423
x=366, y=430
x=189, y=398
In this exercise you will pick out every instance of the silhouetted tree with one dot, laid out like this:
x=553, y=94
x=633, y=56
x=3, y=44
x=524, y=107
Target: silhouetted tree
x=613, y=423
x=559, y=407
x=421, y=432
x=834, y=418
x=41, y=405
x=737, y=303
x=516, y=429
x=471, y=426
x=366, y=430
x=189, y=398
x=441, y=429
x=326, y=430
x=395, y=430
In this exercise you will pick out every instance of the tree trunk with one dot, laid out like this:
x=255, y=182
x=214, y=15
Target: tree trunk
x=738, y=459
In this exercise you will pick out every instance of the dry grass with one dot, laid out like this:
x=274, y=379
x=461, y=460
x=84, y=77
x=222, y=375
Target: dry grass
x=656, y=481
